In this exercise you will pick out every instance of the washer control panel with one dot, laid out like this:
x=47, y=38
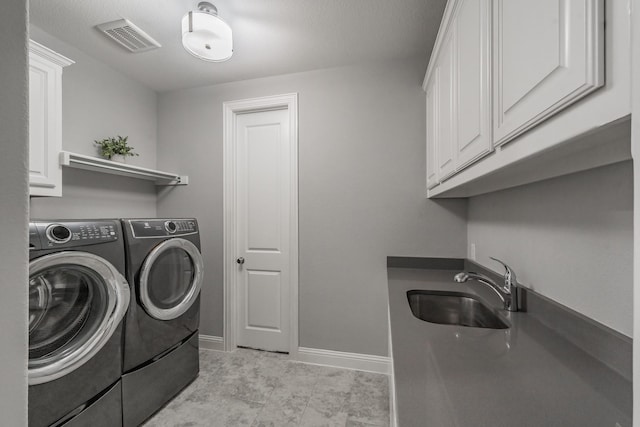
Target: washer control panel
x=73, y=233
x=145, y=228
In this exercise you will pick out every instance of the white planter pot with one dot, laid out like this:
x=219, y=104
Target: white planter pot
x=120, y=158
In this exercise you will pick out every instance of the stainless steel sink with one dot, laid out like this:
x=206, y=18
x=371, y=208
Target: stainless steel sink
x=453, y=308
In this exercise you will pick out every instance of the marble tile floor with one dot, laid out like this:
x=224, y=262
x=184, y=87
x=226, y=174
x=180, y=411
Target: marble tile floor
x=260, y=389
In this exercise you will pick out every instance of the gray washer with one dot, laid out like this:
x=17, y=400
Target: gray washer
x=165, y=269
x=77, y=300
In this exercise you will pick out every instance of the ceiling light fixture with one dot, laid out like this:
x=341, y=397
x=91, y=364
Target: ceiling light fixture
x=205, y=35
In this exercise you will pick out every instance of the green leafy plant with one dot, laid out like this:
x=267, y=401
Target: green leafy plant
x=110, y=147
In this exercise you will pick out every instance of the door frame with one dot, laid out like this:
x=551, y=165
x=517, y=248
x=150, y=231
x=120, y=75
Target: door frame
x=231, y=110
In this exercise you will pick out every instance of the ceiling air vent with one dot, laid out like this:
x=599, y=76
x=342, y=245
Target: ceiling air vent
x=128, y=36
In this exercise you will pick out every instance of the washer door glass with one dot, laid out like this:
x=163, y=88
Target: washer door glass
x=171, y=278
x=66, y=302
x=76, y=301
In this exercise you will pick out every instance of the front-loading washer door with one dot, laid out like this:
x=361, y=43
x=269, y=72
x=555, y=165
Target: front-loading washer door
x=171, y=278
x=76, y=301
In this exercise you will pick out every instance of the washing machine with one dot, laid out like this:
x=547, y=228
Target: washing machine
x=77, y=300
x=165, y=269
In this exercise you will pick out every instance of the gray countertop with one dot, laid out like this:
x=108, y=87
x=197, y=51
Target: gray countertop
x=526, y=375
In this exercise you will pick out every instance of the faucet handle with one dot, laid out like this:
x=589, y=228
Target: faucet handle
x=509, y=275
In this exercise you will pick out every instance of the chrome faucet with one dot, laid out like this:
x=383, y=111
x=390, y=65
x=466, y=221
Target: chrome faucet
x=509, y=293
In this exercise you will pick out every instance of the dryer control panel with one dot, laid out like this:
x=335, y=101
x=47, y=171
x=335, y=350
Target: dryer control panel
x=146, y=228
x=64, y=234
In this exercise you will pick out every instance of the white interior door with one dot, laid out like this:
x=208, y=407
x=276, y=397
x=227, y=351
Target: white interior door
x=263, y=200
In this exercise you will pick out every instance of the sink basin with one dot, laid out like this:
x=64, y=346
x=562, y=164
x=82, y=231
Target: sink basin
x=453, y=308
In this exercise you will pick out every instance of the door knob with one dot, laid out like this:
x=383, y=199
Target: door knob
x=240, y=260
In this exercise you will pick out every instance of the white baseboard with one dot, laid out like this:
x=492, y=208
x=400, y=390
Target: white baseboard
x=315, y=356
x=209, y=342
x=339, y=359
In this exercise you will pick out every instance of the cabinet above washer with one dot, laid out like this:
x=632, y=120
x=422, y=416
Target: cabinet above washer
x=45, y=120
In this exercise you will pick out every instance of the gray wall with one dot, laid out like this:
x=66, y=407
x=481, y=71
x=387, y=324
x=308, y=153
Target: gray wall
x=569, y=238
x=99, y=102
x=361, y=192
x=88, y=194
x=635, y=151
x=13, y=212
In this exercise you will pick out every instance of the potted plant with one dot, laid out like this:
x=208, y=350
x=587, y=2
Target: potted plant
x=115, y=149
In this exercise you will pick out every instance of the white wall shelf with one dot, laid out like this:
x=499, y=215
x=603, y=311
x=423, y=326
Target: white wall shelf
x=81, y=161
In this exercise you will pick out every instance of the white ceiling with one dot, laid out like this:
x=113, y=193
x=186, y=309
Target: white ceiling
x=270, y=36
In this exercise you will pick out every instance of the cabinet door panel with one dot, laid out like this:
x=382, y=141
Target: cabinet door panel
x=547, y=55
x=44, y=138
x=432, y=131
x=37, y=124
x=445, y=146
x=534, y=54
x=45, y=120
x=473, y=119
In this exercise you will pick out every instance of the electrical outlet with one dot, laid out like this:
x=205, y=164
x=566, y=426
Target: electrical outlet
x=472, y=251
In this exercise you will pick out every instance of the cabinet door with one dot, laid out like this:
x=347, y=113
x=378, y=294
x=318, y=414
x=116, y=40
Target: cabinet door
x=473, y=66
x=547, y=55
x=44, y=140
x=432, y=130
x=45, y=120
x=445, y=142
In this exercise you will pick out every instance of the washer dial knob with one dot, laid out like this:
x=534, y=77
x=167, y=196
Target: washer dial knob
x=170, y=226
x=58, y=233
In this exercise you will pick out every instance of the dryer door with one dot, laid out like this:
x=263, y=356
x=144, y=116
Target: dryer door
x=76, y=301
x=171, y=278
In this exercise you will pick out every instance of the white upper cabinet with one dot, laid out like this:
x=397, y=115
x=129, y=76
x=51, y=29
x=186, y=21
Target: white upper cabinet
x=547, y=55
x=458, y=91
x=445, y=141
x=473, y=68
x=432, y=136
x=45, y=120
x=516, y=92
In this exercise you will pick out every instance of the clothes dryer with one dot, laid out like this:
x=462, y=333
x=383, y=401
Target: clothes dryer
x=165, y=269
x=77, y=299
